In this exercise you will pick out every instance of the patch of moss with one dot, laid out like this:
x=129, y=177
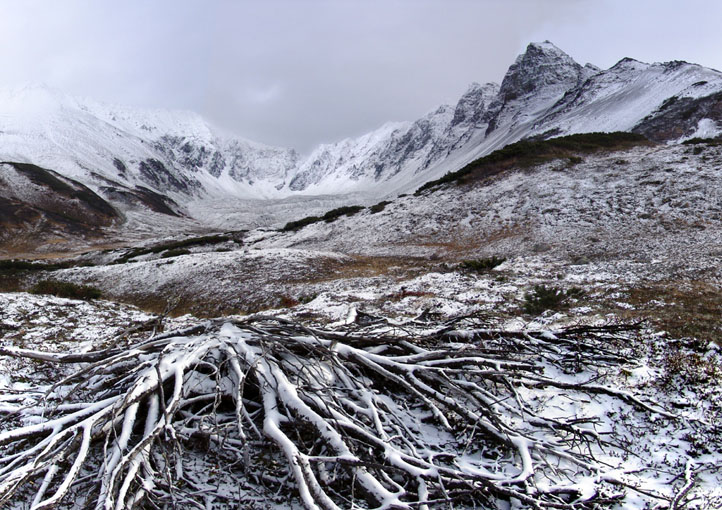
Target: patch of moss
x=66, y=290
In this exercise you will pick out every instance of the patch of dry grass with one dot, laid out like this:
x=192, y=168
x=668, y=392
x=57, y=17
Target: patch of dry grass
x=690, y=367
x=685, y=309
x=363, y=267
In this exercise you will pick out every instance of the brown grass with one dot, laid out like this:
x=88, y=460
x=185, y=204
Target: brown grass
x=326, y=270
x=363, y=267
x=404, y=293
x=460, y=246
x=685, y=309
x=29, y=251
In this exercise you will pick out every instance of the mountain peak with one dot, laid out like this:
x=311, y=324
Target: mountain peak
x=34, y=96
x=628, y=63
x=545, y=46
x=542, y=65
x=473, y=88
x=472, y=105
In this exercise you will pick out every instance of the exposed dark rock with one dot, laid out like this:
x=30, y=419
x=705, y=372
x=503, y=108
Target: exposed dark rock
x=191, y=155
x=472, y=105
x=65, y=188
x=541, y=65
x=122, y=169
x=142, y=196
x=155, y=173
x=678, y=117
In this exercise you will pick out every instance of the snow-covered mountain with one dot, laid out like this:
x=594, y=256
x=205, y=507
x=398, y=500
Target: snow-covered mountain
x=123, y=153
x=544, y=93
x=172, y=152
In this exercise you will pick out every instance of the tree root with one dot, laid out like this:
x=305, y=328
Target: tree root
x=357, y=420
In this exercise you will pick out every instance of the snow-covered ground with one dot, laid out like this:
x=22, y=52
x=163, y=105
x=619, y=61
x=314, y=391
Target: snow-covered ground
x=647, y=456
x=662, y=200
x=613, y=222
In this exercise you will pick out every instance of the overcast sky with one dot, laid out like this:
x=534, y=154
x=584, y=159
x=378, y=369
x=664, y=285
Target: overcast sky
x=296, y=73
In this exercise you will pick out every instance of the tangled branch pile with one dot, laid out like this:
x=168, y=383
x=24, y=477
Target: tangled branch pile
x=228, y=411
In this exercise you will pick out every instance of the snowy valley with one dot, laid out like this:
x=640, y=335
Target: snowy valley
x=174, y=170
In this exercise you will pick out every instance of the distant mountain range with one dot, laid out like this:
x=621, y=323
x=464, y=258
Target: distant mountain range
x=176, y=164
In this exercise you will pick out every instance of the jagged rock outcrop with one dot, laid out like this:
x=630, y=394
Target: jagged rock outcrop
x=541, y=69
x=544, y=93
x=683, y=117
x=535, y=81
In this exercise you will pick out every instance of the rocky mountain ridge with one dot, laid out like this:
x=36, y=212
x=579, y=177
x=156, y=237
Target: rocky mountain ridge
x=116, y=151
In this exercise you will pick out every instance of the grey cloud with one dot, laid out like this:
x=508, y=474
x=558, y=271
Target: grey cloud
x=297, y=73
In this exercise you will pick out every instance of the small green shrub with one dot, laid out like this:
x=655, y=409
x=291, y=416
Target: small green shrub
x=66, y=290
x=14, y=265
x=330, y=216
x=690, y=367
x=482, y=265
x=288, y=301
x=377, y=208
x=542, y=298
x=19, y=265
x=175, y=253
x=292, y=226
x=174, y=245
x=348, y=210
x=307, y=298
x=575, y=160
x=706, y=141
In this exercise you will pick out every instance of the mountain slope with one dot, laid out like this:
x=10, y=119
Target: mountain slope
x=41, y=205
x=175, y=153
x=631, y=94
x=638, y=203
